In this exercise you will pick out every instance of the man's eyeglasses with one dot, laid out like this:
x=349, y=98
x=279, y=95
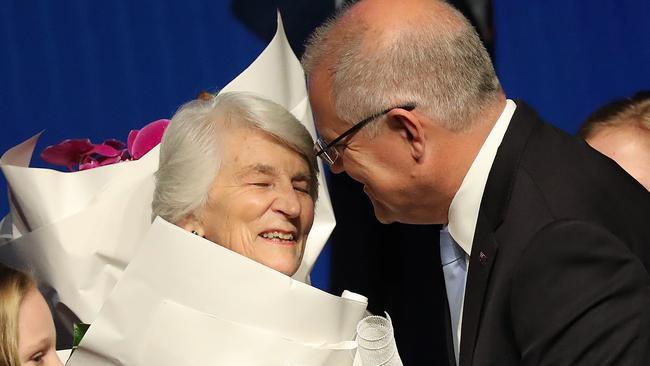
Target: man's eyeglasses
x=327, y=151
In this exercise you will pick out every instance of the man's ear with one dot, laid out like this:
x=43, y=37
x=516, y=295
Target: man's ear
x=191, y=224
x=411, y=128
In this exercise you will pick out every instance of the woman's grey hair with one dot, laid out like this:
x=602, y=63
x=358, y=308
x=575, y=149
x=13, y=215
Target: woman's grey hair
x=437, y=62
x=190, y=156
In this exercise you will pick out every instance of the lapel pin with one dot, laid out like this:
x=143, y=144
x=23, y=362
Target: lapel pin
x=482, y=257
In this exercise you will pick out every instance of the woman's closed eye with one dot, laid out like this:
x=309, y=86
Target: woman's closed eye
x=302, y=187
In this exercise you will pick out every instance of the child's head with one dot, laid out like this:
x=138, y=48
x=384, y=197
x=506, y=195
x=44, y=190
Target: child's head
x=27, y=334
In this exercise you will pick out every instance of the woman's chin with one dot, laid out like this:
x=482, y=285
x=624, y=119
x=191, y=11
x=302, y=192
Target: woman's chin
x=286, y=267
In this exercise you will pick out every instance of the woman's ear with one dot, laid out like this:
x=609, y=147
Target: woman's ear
x=411, y=128
x=191, y=224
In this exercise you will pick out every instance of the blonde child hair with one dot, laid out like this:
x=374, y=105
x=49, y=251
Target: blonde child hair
x=14, y=285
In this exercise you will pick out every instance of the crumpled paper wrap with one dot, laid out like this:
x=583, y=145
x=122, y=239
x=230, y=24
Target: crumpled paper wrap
x=75, y=231
x=185, y=301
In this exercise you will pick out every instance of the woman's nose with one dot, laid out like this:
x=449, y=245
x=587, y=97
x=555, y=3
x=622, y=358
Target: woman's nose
x=287, y=202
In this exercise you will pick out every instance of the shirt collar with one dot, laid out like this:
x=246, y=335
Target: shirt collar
x=463, y=211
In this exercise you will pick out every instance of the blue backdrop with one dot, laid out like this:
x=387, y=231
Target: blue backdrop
x=98, y=69
x=567, y=57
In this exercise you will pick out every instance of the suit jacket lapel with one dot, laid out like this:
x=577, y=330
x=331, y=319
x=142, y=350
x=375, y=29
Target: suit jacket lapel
x=493, y=206
x=484, y=251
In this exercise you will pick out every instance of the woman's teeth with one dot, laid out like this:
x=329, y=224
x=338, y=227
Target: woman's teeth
x=277, y=235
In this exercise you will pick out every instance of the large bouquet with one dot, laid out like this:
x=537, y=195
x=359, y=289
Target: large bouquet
x=75, y=231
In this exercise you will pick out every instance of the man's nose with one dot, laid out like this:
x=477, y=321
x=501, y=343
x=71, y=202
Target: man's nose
x=337, y=167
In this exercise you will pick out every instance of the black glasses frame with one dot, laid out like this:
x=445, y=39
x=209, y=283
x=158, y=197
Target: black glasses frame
x=359, y=125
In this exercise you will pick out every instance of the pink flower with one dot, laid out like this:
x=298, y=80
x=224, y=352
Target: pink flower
x=141, y=142
x=90, y=161
x=86, y=155
x=70, y=153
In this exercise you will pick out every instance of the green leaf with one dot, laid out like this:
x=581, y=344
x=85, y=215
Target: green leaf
x=78, y=332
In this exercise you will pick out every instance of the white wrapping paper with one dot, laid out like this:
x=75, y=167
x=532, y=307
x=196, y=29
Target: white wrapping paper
x=184, y=300
x=78, y=231
x=75, y=231
x=64, y=355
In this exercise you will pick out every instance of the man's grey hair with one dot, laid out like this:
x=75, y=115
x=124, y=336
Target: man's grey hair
x=190, y=155
x=437, y=62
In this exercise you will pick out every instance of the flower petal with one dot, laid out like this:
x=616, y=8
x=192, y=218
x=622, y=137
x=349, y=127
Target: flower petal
x=105, y=150
x=111, y=160
x=125, y=155
x=89, y=164
x=129, y=141
x=67, y=153
x=115, y=143
x=148, y=137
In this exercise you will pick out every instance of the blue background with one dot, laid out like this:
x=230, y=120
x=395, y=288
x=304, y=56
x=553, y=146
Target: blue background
x=567, y=57
x=99, y=69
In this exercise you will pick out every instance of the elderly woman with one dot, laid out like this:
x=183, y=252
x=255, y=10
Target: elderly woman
x=239, y=171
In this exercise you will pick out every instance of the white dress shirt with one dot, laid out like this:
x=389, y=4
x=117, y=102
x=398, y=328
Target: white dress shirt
x=464, y=208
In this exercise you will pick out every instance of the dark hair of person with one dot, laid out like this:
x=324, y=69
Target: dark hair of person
x=633, y=111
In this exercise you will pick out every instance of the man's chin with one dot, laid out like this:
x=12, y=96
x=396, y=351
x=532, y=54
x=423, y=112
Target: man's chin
x=384, y=221
x=382, y=214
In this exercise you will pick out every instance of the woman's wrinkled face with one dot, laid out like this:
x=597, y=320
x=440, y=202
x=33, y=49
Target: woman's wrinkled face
x=259, y=204
x=36, y=333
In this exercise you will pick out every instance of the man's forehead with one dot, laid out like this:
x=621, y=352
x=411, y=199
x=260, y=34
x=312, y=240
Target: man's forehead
x=329, y=126
x=323, y=104
x=320, y=86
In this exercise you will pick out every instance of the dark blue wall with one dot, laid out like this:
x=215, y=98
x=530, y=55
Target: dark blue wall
x=566, y=57
x=99, y=68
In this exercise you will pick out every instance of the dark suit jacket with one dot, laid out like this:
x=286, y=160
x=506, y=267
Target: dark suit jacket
x=558, y=269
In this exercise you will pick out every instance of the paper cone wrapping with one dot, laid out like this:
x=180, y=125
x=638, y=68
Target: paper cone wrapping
x=78, y=231
x=184, y=300
x=75, y=231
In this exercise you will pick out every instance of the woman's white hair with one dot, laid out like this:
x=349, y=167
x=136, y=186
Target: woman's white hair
x=437, y=62
x=190, y=155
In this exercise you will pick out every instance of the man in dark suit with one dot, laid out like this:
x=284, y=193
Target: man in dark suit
x=545, y=245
